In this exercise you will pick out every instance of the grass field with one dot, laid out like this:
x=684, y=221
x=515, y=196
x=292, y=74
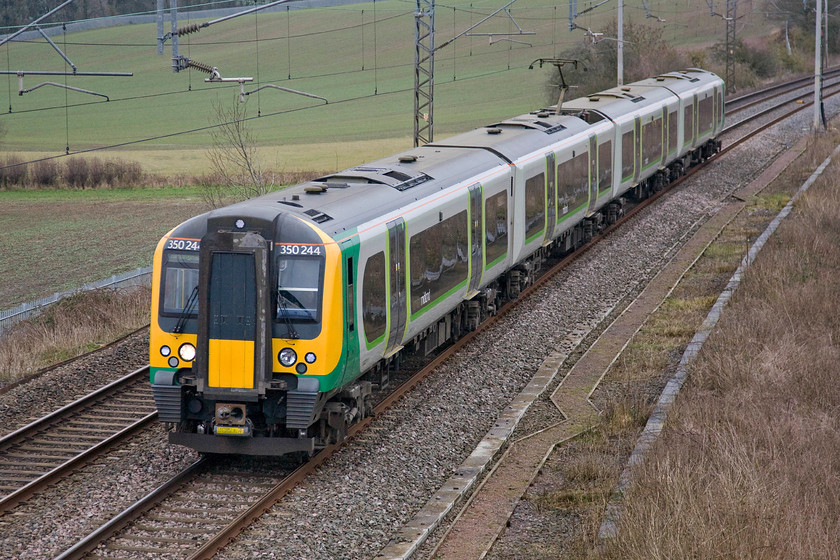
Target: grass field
x=360, y=57
x=58, y=240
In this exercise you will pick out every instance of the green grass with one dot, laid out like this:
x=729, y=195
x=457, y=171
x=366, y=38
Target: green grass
x=324, y=51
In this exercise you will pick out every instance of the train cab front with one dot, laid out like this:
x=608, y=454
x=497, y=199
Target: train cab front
x=247, y=341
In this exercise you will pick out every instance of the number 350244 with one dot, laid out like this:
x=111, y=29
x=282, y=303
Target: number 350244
x=183, y=244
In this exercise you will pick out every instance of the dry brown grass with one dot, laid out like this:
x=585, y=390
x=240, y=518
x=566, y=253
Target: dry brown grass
x=748, y=467
x=71, y=327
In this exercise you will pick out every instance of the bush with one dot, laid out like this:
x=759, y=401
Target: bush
x=13, y=171
x=44, y=173
x=76, y=172
x=762, y=63
x=126, y=173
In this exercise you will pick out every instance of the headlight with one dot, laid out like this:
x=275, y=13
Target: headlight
x=187, y=352
x=173, y=362
x=310, y=358
x=287, y=357
x=165, y=351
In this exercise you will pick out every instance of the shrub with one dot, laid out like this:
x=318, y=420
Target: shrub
x=13, y=171
x=76, y=172
x=44, y=173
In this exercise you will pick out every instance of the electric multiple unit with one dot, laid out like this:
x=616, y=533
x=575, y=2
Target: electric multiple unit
x=274, y=318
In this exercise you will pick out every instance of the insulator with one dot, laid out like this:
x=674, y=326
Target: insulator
x=193, y=28
x=200, y=66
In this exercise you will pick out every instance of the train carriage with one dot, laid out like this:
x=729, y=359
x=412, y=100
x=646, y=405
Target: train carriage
x=273, y=318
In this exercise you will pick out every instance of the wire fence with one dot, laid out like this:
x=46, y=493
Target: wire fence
x=138, y=277
x=53, y=29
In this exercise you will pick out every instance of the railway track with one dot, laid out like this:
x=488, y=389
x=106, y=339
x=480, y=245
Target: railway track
x=41, y=453
x=763, y=95
x=143, y=528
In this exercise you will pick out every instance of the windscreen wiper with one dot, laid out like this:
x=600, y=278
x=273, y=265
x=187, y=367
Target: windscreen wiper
x=284, y=311
x=185, y=312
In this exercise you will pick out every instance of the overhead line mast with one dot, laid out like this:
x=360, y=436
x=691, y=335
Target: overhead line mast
x=424, y=63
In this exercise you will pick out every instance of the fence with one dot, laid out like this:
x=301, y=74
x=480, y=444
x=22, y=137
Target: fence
x=140, y=276
x=184, y=15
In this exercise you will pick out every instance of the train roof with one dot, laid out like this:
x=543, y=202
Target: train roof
x=340, y=202
x=684, y=81
x=519, y=136
x=619, y=103
x=344, y=200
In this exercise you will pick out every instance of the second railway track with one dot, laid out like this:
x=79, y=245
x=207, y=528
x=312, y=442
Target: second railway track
x=36, y=455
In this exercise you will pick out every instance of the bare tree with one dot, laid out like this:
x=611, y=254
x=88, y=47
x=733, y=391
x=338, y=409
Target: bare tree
x=237, y=171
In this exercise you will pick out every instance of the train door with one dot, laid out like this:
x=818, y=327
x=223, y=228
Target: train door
x=397, y=271
x=551, y=195
x=476, y=238
x=233, y=337
x=695, y=114
x=232, y=309
x=663, y=132
x=637, y=148
x=593, y=173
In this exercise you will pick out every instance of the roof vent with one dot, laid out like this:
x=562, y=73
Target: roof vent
x=317, y=216
x=543, y=114
x=408, y=159
x=594, y=99
x=494, y=131
x=315, y=189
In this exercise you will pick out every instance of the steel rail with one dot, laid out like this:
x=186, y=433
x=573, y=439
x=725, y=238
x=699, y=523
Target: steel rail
x=75, y=406
x=735, y=103
x=82, y=458
x=73, y=464
x=90, y=542
x=767, y=125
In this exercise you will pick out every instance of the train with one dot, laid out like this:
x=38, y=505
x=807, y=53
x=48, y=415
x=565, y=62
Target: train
x=274, y=320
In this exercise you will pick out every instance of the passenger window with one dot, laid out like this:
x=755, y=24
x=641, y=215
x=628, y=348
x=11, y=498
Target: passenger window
x=495, y=227
x=374, y=314
x=438, y=259
x=534, y=205
x=605, y=166
x=688, y=118
x=573, y=183
x=706, y=118
x=627, y=151
x=652, y=143
x=672, y=131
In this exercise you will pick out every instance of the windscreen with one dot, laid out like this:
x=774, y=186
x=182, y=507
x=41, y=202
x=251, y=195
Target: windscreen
x=180, y=282
x=299, y=280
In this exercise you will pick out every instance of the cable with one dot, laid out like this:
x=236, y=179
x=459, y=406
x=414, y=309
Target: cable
x=66, y=110
x=8, y=66
x=257, y=43
x=209, y=127
x=288, y=42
